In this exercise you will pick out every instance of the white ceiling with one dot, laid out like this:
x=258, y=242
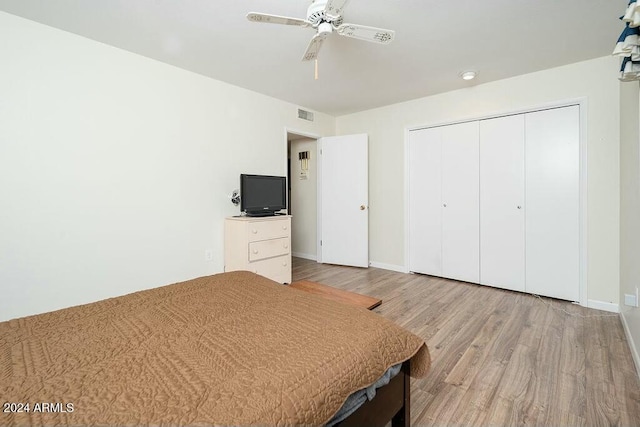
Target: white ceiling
x=435, y=41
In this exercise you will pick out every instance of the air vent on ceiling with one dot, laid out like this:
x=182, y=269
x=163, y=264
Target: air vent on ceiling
x=305, y=115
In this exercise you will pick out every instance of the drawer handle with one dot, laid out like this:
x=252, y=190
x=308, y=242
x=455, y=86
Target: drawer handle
x=284, y=264
x=255, y=251
x=284, y=227
x=286, y=246
x=254, y=231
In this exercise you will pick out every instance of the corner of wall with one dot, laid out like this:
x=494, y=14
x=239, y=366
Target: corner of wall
x=630, y=212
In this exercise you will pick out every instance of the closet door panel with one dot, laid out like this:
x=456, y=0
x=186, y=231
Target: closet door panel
x=425, y=212
x=502, y=260
x=460, y=202
x=552, y=201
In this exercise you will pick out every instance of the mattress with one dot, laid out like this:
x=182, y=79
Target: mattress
x=228, y=349
x=358, y=398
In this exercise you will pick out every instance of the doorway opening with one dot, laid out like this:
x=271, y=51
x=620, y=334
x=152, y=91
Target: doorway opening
x=302, y=178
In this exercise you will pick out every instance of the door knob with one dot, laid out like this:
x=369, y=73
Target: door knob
x=362, y=207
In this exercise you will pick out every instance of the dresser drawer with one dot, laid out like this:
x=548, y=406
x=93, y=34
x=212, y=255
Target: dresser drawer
x=278, y=269
x=261, y=245
x=268, y=248
x=263, y=230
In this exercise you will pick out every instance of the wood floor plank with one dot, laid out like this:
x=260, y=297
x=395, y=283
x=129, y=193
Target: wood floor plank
x=439, y=409
x=625, y=379
x=501, y=413
x=518, y=374
x=474, y=358
x=501, y=358
x=602, y=404
x=547, y=385
x=451, y=341
x=473, y=404
x=572, y=392
x=419, y=399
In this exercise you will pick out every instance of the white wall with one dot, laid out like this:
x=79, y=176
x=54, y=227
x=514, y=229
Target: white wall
x=304, y=201
x=595, y=79
x=115, y=169
x=630, y=209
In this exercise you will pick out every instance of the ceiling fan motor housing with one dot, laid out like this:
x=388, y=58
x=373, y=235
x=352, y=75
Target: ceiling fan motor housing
x=316, y=14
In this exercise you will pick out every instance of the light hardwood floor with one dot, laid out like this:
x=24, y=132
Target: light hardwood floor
x=501, y=358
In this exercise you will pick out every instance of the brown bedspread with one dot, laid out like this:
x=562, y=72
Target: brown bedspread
x=232, y=348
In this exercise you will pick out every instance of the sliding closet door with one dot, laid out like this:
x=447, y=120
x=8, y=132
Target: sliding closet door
x=460, y=202
x=502, y=202
x=425, y=206
x=552, y=156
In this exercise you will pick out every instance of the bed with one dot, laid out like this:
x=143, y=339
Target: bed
x=228, y=349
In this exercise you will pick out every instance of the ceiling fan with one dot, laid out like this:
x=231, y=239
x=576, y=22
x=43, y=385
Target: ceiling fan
x=325, y=16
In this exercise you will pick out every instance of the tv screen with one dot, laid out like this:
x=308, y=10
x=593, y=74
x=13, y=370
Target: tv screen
x=262, y=194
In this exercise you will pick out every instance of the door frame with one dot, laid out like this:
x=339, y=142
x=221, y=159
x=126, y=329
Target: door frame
x=287, y=131
x=582, y=220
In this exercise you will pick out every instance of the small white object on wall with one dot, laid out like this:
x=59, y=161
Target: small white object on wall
x=304, y=157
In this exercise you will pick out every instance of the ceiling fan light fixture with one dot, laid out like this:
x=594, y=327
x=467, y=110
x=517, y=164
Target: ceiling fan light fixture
x=468, y=75
x=324, y=29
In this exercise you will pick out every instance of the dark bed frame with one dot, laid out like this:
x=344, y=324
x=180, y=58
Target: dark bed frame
x=392, y=403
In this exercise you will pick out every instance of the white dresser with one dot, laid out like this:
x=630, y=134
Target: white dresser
x=259, y=244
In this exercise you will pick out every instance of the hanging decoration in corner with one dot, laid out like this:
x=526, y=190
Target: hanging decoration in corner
x=628, y=46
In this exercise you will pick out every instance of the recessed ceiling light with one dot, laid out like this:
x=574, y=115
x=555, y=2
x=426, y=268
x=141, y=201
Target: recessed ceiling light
x=468, y=75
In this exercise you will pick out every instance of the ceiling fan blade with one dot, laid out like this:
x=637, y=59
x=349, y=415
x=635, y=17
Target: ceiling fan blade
x=370, y=34
x=275, y=19
x=314, y=47
x=334, y=8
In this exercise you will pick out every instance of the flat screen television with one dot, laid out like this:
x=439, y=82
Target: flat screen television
x=262, y=195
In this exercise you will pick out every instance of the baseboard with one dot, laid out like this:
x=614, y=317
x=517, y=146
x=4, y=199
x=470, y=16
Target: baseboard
x=398, y=268
x=632, y=344
x=305, y=256
x=605, y=306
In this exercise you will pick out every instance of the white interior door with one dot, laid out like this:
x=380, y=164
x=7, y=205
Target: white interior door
x=502, y=209
x=460, y=202
x=344, y=200
x=425, y=201
x=552, y=153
